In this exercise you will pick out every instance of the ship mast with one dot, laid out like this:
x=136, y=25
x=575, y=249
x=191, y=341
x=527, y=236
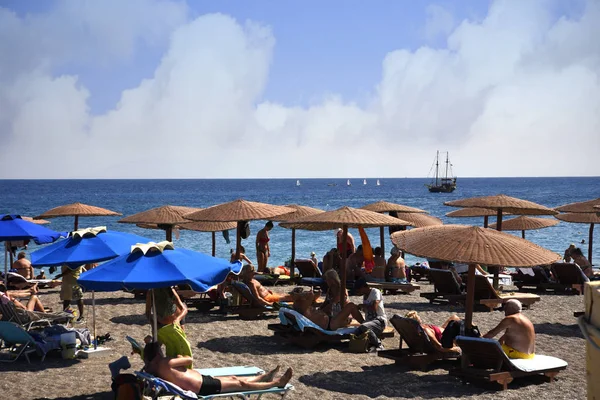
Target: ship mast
x=446, y=165
x=437, y=167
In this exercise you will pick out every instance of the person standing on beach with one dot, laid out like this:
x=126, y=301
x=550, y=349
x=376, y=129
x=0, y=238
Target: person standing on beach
x=518, y=340
x=350, y=244
x=263, y=251
x=23, y=266
x=70, y=290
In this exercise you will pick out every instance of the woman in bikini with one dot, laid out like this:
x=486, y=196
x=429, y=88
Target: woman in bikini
x=263, y=252
x=303, y=304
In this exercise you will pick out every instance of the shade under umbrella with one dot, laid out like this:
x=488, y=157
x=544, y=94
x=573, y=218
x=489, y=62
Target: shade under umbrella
x=472, y=245
x=165, y=217
x=524, y=223
x=212, y=227
x=77, y=210
x=35, y=221
x=86, y=246
x=386, y=206
x=239, y=211
x=344, y=218
x=583, y=218
x=590, y=206
x=299, y=211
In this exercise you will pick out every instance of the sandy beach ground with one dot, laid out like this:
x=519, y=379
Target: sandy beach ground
x=323, y=373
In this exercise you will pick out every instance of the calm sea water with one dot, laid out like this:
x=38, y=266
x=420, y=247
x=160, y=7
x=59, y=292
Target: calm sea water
x=32, y=197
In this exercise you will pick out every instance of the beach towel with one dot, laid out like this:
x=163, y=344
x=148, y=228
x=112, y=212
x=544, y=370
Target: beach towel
x=302, y=323
x=367, y=250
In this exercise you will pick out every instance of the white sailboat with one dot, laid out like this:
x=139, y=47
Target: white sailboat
x=348, y=183
x=364, y=181
x=298, y=182
x=378, y=184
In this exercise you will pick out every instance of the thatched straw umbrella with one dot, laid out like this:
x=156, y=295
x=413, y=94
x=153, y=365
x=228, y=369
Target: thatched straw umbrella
x=524, y=223
x=344, y=218
x=583, y=218
x=584, y=207
x=386, y=206
x=470, y=212
x=239, y=211
x=472, y=245
x=77, y=210
x=35, y=221
x=300, y=211
x=164, y=217
x=212, y=227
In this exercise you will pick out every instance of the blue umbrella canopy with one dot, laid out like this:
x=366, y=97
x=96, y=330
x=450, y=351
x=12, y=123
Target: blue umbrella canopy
x=86, y=246
x=153, y=266
x=13, y=227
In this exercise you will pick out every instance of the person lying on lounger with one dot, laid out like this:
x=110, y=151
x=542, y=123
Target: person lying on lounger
x=33, y=304
x=303, y=304
x=264, y=296
x=175, y=370
x=435, y=332
x=518, y=340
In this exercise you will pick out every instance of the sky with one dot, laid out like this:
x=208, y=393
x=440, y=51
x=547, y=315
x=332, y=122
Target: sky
x=262, y=89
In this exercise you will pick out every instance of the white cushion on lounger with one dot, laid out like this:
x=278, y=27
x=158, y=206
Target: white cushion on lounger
x=304, y=322
x=538, y=363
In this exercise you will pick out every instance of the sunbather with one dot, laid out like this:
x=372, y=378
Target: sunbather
x=396, y=267
x=435, y=332
x=378, y=273
x=176, y=371
x=242, y=256
x=264, y=296
x=33, y=304
x=518, y=340
x=303, y=304
x=331, y=306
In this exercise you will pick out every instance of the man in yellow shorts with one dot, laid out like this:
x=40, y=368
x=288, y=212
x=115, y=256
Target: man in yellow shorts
x=518, y=340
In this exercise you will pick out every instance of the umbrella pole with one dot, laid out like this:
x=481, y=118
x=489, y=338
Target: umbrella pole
x=485, y=221
x=76, y=223
x=523, y=234
x=154, y=323
x=214, y=244
x=590, y=242
x=343, y=266
x=94, y=320
x=470, y=297
x=238, y=240
x=499, y=220
x=499, y=229
x=382, y=239
x=5, y=267
x=293, y=261
x=169, y=231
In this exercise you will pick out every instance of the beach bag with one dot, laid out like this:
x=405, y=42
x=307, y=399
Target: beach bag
x=245, y=232
x=457, y=328
x=126, y=387
x=359, y=343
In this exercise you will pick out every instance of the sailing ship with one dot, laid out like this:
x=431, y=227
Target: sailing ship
x=298, y=182
x=364, y=181
x=348, y=183
x=445, y=183
x=378, y=184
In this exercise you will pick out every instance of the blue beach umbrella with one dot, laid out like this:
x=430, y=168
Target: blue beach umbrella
x=13, y=227
x=86, y=246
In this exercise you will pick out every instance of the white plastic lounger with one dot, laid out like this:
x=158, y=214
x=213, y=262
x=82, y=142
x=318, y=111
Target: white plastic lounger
x=160, y=387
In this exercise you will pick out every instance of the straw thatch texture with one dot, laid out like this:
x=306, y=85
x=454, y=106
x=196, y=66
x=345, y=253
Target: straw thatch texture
x=351, y=217
x=299, y=211
x=420, y=220
x=580, y=218
x=472, y=212
x=580, y=207
x=507, y=204
x=165, y=215
x=200, y=226
x=238, y=210
x=470, y=244
x=384, y=206
x=35, y=221
x=76, y=209
x=526, y=224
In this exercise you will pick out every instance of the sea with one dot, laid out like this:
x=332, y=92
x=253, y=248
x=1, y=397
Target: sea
x=33, y=197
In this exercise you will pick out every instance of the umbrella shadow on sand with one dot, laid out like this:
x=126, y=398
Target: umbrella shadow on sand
x=557, y=329
x=132, y=319
x=96, y=396
x=255, y=345
x=113, y=301
x=422, y=307
x=51, y=361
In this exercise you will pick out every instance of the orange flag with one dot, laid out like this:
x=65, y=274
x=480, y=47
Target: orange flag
x=367, y=250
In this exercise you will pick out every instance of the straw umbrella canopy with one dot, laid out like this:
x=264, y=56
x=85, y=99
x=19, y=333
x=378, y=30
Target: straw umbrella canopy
x=239, y=211
x=36, y=221
x=164, y=217
x=77, y=210
x=420, y=220
x=472, y=245
x=345, y=217
x=473, y=212
x=386, y=206
x=587, y=207
x=300, y=211
x=524, y=223
x=211, y=227
x=583, y=218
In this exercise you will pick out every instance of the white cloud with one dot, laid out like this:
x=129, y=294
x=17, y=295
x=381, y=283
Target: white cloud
x=506, y=97
x=439, y=22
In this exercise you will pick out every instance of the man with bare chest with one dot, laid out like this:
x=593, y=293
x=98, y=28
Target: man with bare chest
x=518, y=340
x=263, y=296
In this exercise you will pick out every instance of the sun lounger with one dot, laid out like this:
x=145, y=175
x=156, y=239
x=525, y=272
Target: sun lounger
x=394, y=288
x=29, y=319
x=250, y=308
x=18, y=342
x=17, y=281
x=419, y=273
x=535, y=279
x=155, y=387
x=307, y=268
x=295, y=328
x=569, y=275
x=483, y=359
x=446, y=288
x=420, y=352
x=272, y=279
x=488, y=297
